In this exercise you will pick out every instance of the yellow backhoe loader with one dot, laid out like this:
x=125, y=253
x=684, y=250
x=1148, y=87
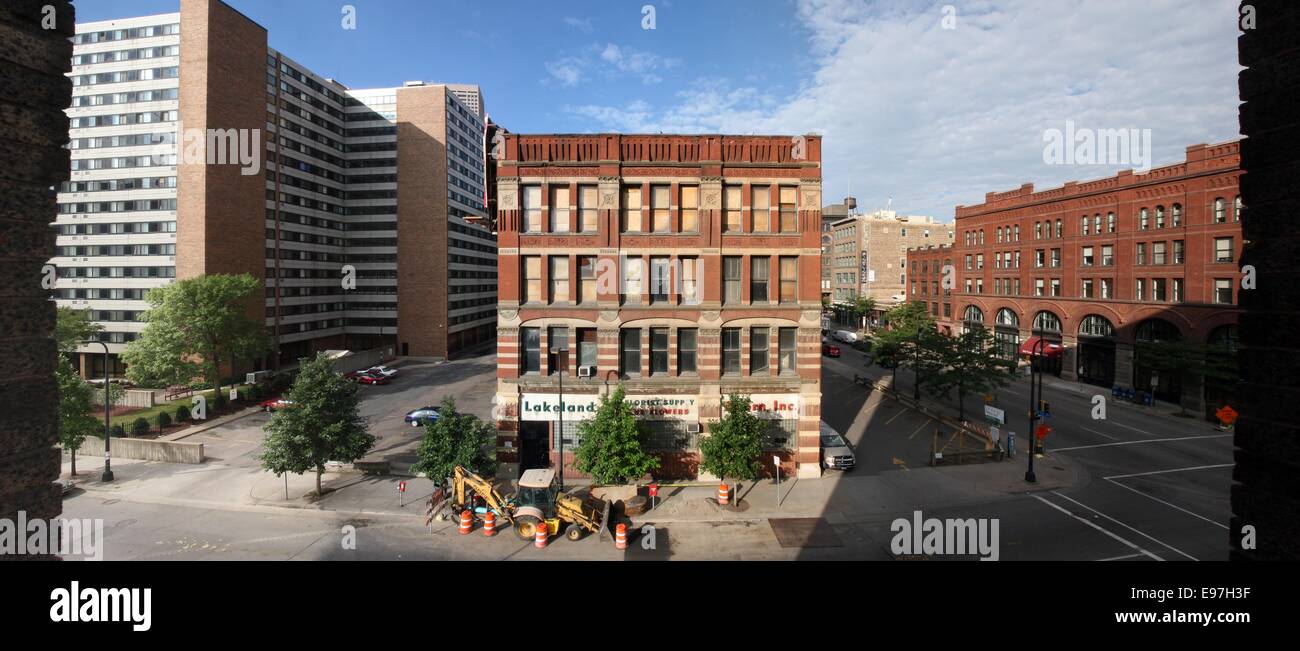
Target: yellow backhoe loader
x=539, y=499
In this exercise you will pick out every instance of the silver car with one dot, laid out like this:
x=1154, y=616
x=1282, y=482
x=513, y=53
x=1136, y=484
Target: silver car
x=835, y=451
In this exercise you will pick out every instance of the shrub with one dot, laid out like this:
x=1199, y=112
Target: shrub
x=118, y=431
x=164, y=420
x=182, y=413
x=139, y=427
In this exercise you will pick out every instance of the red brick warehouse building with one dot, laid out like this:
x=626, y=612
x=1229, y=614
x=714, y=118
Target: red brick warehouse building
x=683, y=267
x=1095, y=268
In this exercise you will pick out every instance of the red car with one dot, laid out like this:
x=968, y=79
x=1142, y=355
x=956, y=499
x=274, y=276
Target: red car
x=275, y=403
x=830, y=350
x=366, y=378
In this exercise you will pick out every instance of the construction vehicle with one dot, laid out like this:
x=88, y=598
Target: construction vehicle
x=465, y=486
x=539, y=500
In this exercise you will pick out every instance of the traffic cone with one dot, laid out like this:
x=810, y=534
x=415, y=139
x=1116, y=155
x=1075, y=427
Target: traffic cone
x=539, y=540
x=466, y=522
x=723, y=495
x=620, y=537
x=490, y=524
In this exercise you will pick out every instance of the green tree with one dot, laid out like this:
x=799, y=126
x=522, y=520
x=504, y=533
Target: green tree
x=888, y=353
x=906, y=318
x=732, y=448
x=193, y=326
x=1181, y=359
x=74, y=408
x=910, y=326
x=323, y=424
x=609, y=447
x=967, y=364
x=454, y=439
x=863, y=306
x=72, y=327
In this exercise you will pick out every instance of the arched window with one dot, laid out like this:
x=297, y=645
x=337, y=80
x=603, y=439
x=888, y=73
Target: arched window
x=1220, y=215
x=1096, y=326
x=1178, y=214
x=1153, y=330
x=1143, y=219
x=1160, y=216
x=973, y=315
x=1006, y=317
x=1047, y=322
x=1236, y=209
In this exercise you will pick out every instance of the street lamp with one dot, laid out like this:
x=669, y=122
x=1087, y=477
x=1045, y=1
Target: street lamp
x=916, y=367
x=560, y=368
x=1035, y=354
x=108, y=435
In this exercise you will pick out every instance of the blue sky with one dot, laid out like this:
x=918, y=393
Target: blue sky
x=928, y=116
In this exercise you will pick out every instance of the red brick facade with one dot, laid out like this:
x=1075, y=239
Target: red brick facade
x=1173, y=234
x=687, y=187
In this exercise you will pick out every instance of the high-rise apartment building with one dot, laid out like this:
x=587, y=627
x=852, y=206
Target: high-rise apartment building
x=198, y=149
x=683, y=268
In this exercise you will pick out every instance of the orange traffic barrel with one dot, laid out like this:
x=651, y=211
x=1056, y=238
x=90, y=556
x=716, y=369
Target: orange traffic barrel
x=490, y=524
x=723, y=495
x=620, y=537
x=466, y=522
x=539, y=539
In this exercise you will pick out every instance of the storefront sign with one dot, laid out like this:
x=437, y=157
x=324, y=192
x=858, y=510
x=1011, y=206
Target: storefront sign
x=547, y=406
x=663, y=407
x=780, y=406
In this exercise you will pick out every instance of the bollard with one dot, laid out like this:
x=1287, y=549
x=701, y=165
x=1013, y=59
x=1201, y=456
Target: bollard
x=620, y=538
x=466, y=522
x=723, y=495
x=490, y=524
x=539, y=539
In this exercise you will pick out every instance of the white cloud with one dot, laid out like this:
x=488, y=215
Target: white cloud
x=583, y=25
x=937, y=117
x=610, y=61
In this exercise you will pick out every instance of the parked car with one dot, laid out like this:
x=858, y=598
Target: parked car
x=835, y=451
x=422, y=416
x=275, y=403
x=365, y=377
x=830, y=350
x=385, y=371
x=844, y=336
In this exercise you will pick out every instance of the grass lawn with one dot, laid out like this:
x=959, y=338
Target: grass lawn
x=151, y=414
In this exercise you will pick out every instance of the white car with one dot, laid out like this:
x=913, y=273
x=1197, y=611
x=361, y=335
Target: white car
x=845, y=336
x=385, y=371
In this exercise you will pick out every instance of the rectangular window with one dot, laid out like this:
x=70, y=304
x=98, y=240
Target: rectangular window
x=1107, y=255
x=587, y=276
x=1056, y=287
x=1141, y=253
x=759, y=351
x=632, y=210
x=758, y=279
x=1158, y=253
x=587, y=206
x=559, y=279
x=979, y=260
x=731, y=351
x=1040, y=258
x=1178, y=251
x=761, y=208
x=1087, y=288
x=557, y=341
x=1056, y=257
x=530, y=340
x=1087, y=256
x=1110, y=222
x=630, y=351
x=1106, y=288
x=690, y=270
x=658, y=351
x=532, y=199
x=1223, y=290
x=787, y=345
x=1178, y=290
x=732, y=222
x=559, y=205
x=632, y=274
x=1143, y=219
x=660, y=279
x=1223, y=249
x=660, y=216
x=788, y=211
x=690, y=208
x=686, y=347
x=731, y=280
x=1158, y=290
x=587, y=348
x=789, y=279
x=1140, y=289
x=532, y=279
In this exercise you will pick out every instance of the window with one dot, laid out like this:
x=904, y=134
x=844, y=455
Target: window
x=1143, y=219
x=1056, y=257
x=1158, y=252
x=979, y=260
x=1139, y=289
x=632, y=274
x=658, y=351
x=690, y=280
x=1056, y=287
x=1040, y=258
x=559, y=278
x=686, y=347
x=587, y=275
x=1096, y=223
x=660, y=279
x=1038, y=230
x=1141, y=253
x=1110, y=222
x=1223, y=290
x=789, y=279
x=1177, y=214
x=788, y=212
x=632, y=210
x=531, y=342
x=1220, y=214
x=1107, y=255
x=998, y=231
x=759, y=350
x=1087, y=256
x=1107, y=288
x=1017, y=232
x=761, y=207
x=1160, y=216
x=731, y=351
x=588, y=208
x=559, y=206
x=1038, y=286
x=557, y=341
x=731, y=280
x=758, y=279
x=1087, y=288
x=1178, y=290
x=968, y=262
x=532, y=197
x=787, y=345
x=1059, y=231
x=1223, y=249
x=660, y=216
x=689, y=204
x=732, y=222
x=587, y=348
x=532, y=279
x=1158, y=290
x=1178, y=251
x=1236, y=209
x=1083, y=225
x=630, y=351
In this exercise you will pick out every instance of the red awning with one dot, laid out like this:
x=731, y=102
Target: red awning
x=1049, y=349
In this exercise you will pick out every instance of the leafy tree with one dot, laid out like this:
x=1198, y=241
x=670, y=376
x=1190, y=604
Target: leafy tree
x=863, y=306
x=193, y=326
x=454, y=439
x=967, y=363
x=139, y=427
x=323, y=424
x=888, y=354
x=906, y=318
x=74, y=408
x=72, y=327
x=910, y=325
x=1181, y=358
x=734, y=443
x=609, y=448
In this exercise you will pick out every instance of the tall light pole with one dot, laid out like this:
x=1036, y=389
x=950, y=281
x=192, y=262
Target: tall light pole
x=108, y=434
x=1035, y=353
x=561, y=367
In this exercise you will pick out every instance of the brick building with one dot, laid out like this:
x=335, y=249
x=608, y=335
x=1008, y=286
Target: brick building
x=315, y=195
x=870, y=255
x=683, y=267
x=1095, y=268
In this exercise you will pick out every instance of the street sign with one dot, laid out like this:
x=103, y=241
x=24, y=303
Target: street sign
x=654, y=490
x=1042, y=431
x=994, y=414
x=401, y=487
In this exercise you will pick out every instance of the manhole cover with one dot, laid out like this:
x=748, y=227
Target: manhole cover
x=804, y=532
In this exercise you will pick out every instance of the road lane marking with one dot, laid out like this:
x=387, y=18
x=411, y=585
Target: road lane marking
x=1139, y=431
x=895, y=416
x=1161, y=472
x=1140, y=533
x=1118, y=558
x=1113, y=438
x=1172, y=506
x=1106, y=445
x=919, y=428
x=1098, y=528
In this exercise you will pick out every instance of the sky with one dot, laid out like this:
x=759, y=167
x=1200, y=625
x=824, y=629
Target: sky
x=922, y=105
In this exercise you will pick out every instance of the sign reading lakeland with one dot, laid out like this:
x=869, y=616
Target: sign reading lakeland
x=547, y=406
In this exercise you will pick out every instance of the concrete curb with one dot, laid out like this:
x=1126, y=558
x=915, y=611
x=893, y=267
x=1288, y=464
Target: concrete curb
x=199, y=429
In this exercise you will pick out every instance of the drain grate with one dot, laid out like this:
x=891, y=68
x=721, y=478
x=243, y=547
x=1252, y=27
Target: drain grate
x=804, y=532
